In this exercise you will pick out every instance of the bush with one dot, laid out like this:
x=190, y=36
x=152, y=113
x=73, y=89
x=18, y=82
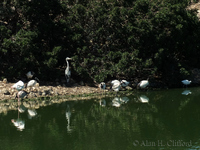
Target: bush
x=106, y=39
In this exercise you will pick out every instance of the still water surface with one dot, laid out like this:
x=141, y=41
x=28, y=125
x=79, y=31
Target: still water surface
x=163, y=119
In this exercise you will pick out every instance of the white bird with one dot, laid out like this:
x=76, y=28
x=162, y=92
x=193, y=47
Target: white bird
x=21, y=94
x=124, y=83
x=115, y=85
x=30, y=74
x=144, y=99
x=186, y=82
x=143, y=84
x=18, y=86
x=102, y=86
x=32, y=83
x=67, y=71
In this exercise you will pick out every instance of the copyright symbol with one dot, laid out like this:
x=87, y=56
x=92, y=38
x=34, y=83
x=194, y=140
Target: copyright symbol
x=136, y=143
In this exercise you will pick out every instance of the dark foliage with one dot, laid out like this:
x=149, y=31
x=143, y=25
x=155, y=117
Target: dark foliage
x=110, y=39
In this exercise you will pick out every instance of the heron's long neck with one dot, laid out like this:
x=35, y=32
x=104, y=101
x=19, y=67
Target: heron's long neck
x=67, y=65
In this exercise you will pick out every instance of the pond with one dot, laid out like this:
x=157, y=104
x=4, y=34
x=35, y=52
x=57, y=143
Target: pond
x=161, y=119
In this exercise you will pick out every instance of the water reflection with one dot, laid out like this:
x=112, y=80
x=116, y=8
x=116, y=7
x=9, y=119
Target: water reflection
x=19, y=123
x=68, y=116
x=186, y=92
x=155, y=116
x=118, y=101
x=143, y=99
x=102, y=102
x=124, y=99
x=22, y=108
x=31, y=113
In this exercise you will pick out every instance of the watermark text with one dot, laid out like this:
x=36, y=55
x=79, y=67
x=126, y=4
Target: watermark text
x=163, y=143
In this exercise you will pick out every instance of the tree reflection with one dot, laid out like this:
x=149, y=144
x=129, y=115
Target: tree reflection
x=87, y=124
x=19, y=123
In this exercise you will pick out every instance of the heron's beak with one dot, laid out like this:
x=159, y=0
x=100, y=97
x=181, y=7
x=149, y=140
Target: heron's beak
x=68, y=58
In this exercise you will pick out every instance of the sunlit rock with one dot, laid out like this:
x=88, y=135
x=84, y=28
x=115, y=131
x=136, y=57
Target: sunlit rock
x=5, y=81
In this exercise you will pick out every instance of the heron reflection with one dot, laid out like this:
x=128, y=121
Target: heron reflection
x=68, y=116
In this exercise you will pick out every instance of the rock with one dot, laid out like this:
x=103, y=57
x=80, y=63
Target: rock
x=6, y=92
x=35, y=90
x=37, y=84
x=5, y=81
x=129, y=88
x=32, y=95
x=46, y=91
x=44, y=94
x=39, y=93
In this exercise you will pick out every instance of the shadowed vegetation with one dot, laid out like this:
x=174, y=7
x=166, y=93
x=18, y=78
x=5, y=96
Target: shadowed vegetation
x=106, y=39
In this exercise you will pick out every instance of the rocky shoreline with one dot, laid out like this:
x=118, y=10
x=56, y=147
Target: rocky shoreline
x=38, y=91
x=47, y=93
x=44, y=95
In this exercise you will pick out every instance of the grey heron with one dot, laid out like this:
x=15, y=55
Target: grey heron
x=67, y=70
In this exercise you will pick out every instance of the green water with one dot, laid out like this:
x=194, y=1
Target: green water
x=167, y=120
